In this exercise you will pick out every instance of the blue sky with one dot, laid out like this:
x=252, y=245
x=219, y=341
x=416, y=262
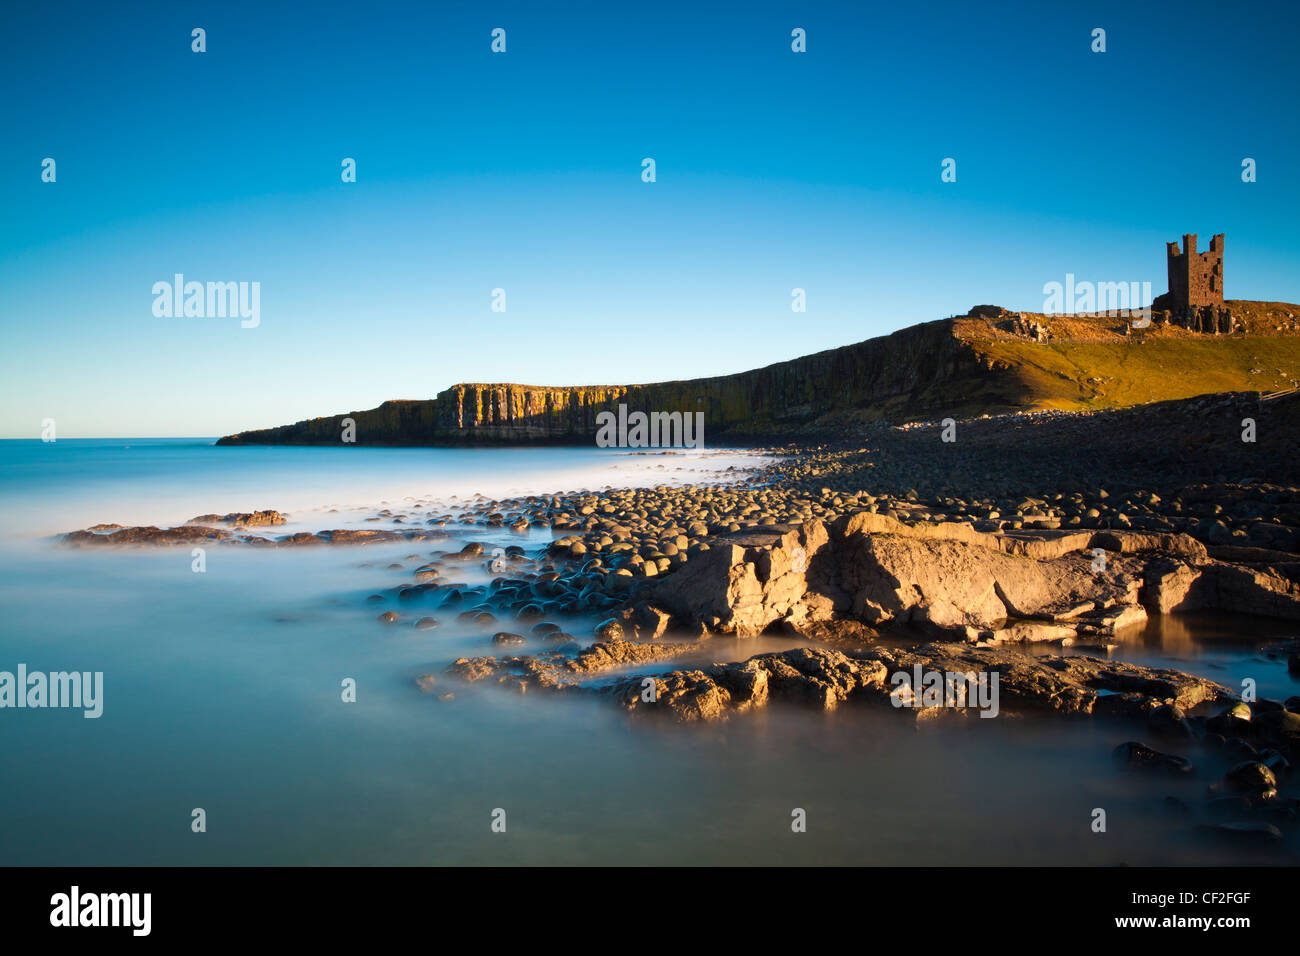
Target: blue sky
x=522, y=171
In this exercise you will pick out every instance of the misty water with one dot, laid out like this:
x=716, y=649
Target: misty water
x=222, y=690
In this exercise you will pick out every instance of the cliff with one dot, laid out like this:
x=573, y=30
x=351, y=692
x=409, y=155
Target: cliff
x=988, y=362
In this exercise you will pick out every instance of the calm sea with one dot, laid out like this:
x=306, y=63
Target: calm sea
x=222, y=691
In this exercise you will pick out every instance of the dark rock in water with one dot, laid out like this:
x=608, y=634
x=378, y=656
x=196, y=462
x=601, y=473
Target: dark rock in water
x=1213, y=741
x=1223, y=808
x=1250, y=776
x=1230, y=725
x=545, y=627
x=1263, y=798
x=478, y=617
x=376, y=599
x=389, y=617
x=1176, y=808
x=1169, y=721
x=1293, y=704
x=610, y=629
x=1136, y=756
x=453, y=597
x=507, y=639
x=1240, y=749
x=530, y=612
x=1240, y=710
x=1281, y=726
x=1253, y=831
x=1275, y=761
x=426, y=623
x=472, y=549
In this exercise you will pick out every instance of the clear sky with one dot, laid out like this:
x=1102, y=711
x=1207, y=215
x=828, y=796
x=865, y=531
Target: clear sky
x=523, y=171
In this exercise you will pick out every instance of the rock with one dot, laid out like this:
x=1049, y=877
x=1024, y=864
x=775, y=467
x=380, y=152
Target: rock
x=610, y=629
x=247, y=519
x=1136, y=756
x=426, y=683
x=473, y=668
x=1169, y=721
x=1275, y=762
x=1239, y=710
x=426, y=623
x=389, y=617
x=508, y=639
x=651, y=621
x=1230, y=725
x=1250, y=776
x=812, y=677
x=870, y=568
x=1280, y=726
x=616, y=652
x=1238, y=748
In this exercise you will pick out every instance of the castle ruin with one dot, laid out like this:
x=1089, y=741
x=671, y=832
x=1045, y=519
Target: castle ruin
x=1195, y=297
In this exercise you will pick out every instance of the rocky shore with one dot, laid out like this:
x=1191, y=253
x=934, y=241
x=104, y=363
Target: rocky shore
x=899, y=552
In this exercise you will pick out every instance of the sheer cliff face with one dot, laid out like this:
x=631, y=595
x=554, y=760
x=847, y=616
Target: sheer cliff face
x=910, y=374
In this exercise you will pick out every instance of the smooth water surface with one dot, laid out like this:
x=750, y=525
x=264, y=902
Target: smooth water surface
x=223, y=692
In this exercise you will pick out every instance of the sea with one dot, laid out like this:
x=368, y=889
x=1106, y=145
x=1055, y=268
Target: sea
x=225, y=699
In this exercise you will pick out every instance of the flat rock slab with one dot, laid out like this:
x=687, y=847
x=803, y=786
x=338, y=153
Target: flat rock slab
x=824, y=678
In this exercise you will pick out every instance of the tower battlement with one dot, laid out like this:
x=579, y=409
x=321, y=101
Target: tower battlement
x=1195, y=278
x=1195, y=296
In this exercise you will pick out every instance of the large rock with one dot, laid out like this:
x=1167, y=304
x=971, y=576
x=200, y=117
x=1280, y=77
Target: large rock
x=952, y=579
x=883, y=573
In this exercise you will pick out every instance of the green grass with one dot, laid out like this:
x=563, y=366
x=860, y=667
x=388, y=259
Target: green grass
x=1086, y=375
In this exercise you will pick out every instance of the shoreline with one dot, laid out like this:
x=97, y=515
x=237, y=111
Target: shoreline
x=868, y=559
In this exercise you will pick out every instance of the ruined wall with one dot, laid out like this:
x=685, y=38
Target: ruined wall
x=1195, y=278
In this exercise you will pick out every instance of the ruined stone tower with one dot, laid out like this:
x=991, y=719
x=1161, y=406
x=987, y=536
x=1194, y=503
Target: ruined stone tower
x=1196, y=278
x=1195, y=296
